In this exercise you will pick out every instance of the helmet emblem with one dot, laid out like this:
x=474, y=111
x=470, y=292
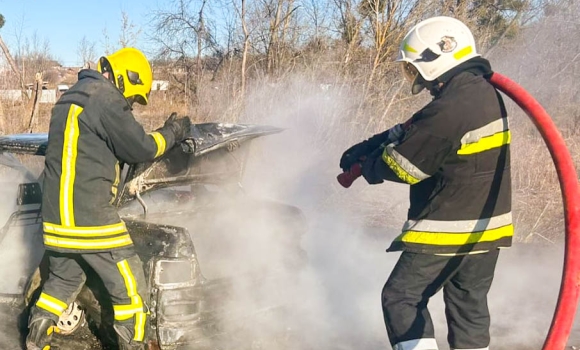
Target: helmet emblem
x=447, y=44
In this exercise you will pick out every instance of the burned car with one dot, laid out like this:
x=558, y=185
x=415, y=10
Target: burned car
x=188, y=216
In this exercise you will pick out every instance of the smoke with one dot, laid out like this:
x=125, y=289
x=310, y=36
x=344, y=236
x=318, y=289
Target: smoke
x=321, y=289
x=20, y=248
x=332, y=301
x=20, y=241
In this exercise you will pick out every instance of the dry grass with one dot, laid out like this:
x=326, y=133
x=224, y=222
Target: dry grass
x=337, y=95
x=301, y=103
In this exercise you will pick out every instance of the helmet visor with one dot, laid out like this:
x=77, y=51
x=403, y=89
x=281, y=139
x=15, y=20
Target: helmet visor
x=409, y=71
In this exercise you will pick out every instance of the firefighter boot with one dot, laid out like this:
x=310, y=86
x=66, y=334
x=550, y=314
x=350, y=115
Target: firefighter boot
x=124, y=339
x=40, y=334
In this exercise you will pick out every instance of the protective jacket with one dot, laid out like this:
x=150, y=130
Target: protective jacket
x=92, y=130
x=455, y=155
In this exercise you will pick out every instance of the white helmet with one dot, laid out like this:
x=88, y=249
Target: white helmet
x=433, y=47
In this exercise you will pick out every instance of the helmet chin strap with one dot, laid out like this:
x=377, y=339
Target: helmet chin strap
x=435, y=87
x=476, y=65
x=130, y=101
x=109, y=77
x=420, y=83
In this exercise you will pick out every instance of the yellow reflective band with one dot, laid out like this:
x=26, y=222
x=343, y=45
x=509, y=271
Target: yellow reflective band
x=51, y=304
x=398, y=170
x=116, y=183
x=135, y=306
x=52, y=329
x=486, y=143
x=160, y=142
x=463, y=52
x=131, y=286
x=456, y=239
x=46, y=347
x=87, y=244
x=139, y=326
x=85, y=231
x=408, y=48
x=124, y=317
x=69, y=158
x=459, y=226
x=128, y=277
x=125, y=312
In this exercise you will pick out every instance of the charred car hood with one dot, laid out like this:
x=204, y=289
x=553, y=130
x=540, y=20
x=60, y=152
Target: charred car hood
x=205, y=137
x=209, y=137
x=213, y=153
x=24, y=144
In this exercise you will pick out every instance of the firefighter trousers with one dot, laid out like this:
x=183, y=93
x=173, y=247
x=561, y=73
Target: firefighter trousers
x=122, y=274
x=465, y=281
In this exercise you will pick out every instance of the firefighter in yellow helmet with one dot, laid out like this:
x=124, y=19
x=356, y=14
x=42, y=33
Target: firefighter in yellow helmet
x=92, y=131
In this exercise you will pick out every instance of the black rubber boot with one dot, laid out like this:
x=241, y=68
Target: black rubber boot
x=127, y=346
x=124, y=339
x=40, y=334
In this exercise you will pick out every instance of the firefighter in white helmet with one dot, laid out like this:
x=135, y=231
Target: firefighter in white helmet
x=454, y=154
x=92, y=131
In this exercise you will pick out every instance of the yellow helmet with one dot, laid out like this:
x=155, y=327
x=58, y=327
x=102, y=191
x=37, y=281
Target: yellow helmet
x=130, y=72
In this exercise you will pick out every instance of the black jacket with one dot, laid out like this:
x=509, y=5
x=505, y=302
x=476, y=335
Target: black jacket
x=92, y=130
x=455, y=155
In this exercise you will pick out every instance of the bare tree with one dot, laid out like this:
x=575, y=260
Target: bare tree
x=386, y=25
x=34, y=56
x=315, y=11
x=182, y=32
x=245, y=47
x=348, y=26
x=278, y=13
x=129, y=33
x=11, y=60
x=106, y=42
x=202, y=33
x=86, y=51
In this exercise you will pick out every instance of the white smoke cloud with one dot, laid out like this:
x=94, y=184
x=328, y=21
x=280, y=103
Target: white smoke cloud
x=335, y=298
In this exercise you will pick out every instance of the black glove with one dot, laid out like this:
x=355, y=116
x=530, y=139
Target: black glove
x=180, y=127
x=353, y=155
x=369, y=171
x=357, y=152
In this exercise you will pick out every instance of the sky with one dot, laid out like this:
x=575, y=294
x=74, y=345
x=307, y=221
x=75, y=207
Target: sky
x=64, y=23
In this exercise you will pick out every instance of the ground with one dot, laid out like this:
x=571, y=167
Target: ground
x=522, y=302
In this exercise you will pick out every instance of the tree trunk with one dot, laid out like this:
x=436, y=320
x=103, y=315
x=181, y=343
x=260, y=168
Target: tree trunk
x=37, y=92
x=201, y=33
x=14, y=68
x=245, y=50
x=2, y=127
x=274, y=38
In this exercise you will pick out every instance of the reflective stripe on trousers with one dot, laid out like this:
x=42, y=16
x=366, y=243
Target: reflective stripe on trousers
x=417, y=344
x=136, y=308
x=122, y=275
x=51, y=304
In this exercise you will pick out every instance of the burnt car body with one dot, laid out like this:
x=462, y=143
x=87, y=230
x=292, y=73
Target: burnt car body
x=191, y=193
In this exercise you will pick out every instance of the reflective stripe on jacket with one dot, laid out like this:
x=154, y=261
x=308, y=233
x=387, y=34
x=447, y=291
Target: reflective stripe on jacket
x=92, y=130
x=455, y=155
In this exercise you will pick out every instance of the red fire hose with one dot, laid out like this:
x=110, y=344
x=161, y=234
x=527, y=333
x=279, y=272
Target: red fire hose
x=570, y=286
